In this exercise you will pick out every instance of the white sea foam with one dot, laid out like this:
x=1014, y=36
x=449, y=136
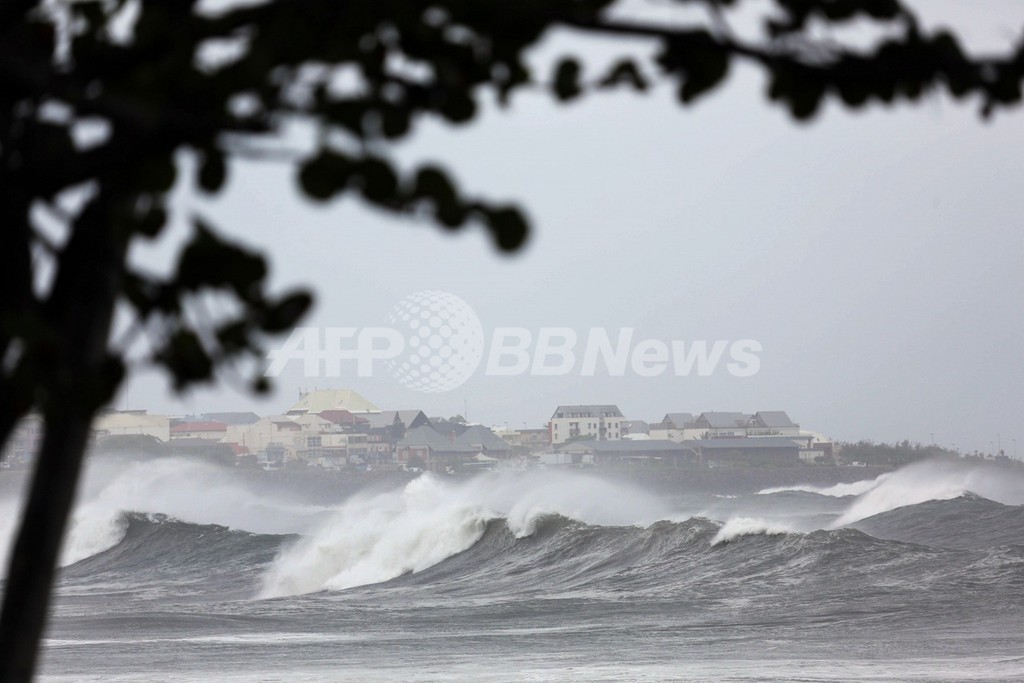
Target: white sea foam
x=748, y=526
x=837, y=490
x=185, y=489
x=379, y=537
x=935, y=480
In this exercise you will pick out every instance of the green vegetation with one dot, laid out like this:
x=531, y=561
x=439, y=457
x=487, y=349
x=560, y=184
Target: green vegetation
x=889, y=455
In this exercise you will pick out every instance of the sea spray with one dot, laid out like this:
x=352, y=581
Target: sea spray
x=182, y=488
x=935, y=480
x=738, y=527
x=375, y=538
x=855, y=488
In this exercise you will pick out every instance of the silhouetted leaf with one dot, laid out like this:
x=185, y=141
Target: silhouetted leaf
x=186, y=359
x=509, y=227
x=567, y=80
x=379, y=181
x=285, y=313
x=624, y=72
x=325, y=175
x=208, y=261
x=212, y=171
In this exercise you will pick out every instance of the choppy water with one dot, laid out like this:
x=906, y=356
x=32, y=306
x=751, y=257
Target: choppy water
x=176, y=572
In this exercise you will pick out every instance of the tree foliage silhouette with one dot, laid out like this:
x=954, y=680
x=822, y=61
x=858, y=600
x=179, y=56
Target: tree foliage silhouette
x=101, y=100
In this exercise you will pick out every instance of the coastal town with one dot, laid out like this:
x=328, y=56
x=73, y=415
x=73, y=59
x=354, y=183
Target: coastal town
x=339, y=429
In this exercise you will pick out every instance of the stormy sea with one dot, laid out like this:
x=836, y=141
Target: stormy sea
x=177, y=571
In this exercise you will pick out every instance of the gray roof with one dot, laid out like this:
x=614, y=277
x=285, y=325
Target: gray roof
x=479, y=436
x=232, y=418
x=725, y=420
x=773, y=418
x=677, y=420
x=635, y=427
x=426, y=436
x=387, y=417
x=587, y=411
x=741, y=443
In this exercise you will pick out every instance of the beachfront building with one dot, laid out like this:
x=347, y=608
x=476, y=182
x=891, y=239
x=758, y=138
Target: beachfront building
x=572, y=422
x=425, y=449
x=631, y=452
x=724, y=425
x=320, y=400
x=231, y=418
x=485, y=442
x=279, y=430
x=675, y=427
x=771, y=423
x=742, y=451
x=200, y=429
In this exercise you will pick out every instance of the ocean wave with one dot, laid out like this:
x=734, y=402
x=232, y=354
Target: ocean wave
x=476, y=559
x=836, y=490
x=748, y=526
x=156, y=549
x=966, y=521
x=563, y=531
x=934, y=480
x=376, y=538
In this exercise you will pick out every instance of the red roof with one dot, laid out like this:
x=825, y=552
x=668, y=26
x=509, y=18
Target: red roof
x=203, y=426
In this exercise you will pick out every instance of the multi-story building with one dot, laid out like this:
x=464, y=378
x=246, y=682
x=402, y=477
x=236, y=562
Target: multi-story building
x=599, y=422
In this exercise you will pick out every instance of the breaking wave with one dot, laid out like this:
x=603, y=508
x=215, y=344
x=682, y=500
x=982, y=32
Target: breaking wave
x=935, y=480
x=377, y=538
x=837, y=490
x=747, y=526
x=544, y=531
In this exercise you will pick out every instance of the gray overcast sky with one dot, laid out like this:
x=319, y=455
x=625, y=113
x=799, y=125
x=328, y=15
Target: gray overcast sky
x=876, y=256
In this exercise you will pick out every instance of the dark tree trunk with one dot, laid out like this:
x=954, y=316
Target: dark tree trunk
x=36, y=552
x=75, y=378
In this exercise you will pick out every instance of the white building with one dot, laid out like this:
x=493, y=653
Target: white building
x=600, y=422
x=279, y=430
x=675, y=427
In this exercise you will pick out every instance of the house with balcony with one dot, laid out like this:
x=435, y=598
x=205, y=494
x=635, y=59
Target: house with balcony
x=599, y=422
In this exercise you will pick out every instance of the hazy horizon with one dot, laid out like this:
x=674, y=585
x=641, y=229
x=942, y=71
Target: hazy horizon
x=872, y=254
